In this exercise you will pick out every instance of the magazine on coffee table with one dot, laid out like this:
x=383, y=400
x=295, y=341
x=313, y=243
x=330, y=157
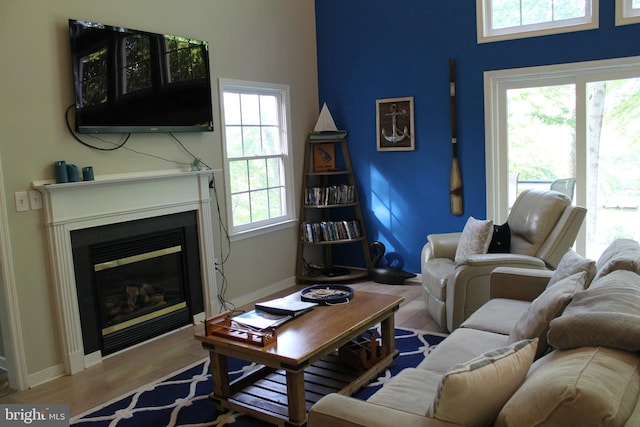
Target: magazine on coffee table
x=260, y=320
x=285, y=306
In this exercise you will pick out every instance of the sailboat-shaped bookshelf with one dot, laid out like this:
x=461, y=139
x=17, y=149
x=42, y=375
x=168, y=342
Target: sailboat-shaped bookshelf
x=330, y=214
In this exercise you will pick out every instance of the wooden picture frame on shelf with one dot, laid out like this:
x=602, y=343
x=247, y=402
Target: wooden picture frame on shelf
x=324, y=157
x=394, y=124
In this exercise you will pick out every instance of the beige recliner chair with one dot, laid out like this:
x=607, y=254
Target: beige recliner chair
x=544, y=225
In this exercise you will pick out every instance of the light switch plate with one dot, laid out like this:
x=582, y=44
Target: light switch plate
x=22, y=201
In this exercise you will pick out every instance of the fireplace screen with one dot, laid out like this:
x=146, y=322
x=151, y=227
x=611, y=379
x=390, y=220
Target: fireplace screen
x=138, y=288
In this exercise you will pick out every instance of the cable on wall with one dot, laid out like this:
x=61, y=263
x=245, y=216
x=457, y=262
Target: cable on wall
x=117, y=146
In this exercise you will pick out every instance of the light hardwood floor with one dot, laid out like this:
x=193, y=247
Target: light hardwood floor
x=128, y=370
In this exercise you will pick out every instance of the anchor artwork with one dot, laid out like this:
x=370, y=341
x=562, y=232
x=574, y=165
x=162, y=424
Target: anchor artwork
x=395, y=131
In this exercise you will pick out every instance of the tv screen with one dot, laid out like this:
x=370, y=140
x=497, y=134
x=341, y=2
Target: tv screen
x=135, y=81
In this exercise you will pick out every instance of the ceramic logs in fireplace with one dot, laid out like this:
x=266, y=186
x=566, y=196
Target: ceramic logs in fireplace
x=136, y=280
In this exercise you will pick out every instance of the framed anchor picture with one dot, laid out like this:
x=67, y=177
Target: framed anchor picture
x=394, y=124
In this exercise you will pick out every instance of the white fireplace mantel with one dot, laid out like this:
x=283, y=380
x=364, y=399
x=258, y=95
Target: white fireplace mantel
x=112, y=199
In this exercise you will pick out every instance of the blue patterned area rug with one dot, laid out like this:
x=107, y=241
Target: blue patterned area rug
x=182, y=398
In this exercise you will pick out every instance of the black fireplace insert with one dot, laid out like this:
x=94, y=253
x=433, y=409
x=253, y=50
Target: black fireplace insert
x=136, y=280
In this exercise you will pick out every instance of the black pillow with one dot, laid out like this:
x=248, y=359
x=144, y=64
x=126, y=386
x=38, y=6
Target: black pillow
x=501, y=240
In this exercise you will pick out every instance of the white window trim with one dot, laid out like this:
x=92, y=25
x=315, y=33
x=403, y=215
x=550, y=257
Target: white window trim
x=486, y=35
x=625, y=14
x=496, y=84
x=267, y=226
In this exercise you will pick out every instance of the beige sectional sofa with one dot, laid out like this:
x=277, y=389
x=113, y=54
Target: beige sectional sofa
x=550, y=348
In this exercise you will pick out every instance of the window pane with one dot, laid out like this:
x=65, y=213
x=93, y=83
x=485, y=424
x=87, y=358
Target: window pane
x=252, y=141
x=259, y=205
x=635, y=4
x=271, y=141
x=273, y=172
x=275, y=202
x=541, y=136
x=269, y=110
x=536, y=11
x=239, y=176
x=505, y=13
x=241, y=209
x=613, y=164
x=569, y=9
x=233, y=139
x=257, y=174
x=232, y=109
x=250, y=107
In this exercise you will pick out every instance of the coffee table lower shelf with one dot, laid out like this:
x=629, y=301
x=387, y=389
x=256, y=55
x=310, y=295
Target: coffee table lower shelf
x=263, y=394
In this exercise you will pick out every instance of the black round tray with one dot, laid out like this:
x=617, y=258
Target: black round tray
x=335, y=294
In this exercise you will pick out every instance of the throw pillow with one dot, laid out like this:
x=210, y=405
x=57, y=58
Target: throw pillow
x=589, y=386
x=501, y=240
x=546, y=307
x=621, y=254
x=482, y=385
x=475, y=239
x=605, y=316
x=570, y=264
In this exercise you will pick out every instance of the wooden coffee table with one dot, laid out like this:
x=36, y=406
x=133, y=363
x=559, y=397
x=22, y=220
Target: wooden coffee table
x=301, y=366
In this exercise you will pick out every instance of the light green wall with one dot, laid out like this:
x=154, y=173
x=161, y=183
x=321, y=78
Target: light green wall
x=258, y=40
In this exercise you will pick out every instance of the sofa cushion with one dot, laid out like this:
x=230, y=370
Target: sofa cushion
x=571, y=263
x=482, y=385
x=621, y=254
x=546, y=307
x=606, y=316
x=460, y=346
x=592, y=386
x=497, y=315
x=501, y=239
x=475, y=239
x=412, y=390
x=617, y=278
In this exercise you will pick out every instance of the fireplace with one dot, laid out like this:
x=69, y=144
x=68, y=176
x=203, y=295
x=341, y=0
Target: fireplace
x=105, y=205
x=136, y=280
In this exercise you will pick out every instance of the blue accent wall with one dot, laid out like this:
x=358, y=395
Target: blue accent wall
x=373, y=49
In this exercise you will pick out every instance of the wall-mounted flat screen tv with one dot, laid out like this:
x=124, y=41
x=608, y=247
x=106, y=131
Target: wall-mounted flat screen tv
x=135, y=81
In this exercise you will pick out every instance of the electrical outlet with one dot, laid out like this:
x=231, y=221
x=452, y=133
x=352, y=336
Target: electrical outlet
x=35, y=199
x=22, y=201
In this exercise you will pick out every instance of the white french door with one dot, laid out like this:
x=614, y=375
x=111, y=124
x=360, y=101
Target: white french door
x=568, y=122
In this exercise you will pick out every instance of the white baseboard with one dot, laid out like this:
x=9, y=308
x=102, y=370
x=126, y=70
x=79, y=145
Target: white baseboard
x=45, y=375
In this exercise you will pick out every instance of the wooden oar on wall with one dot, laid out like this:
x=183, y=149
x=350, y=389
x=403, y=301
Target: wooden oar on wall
x=455, y=177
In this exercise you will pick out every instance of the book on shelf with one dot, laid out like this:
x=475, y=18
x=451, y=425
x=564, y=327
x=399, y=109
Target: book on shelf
x=260, y=320
x=331, y=195
x=326, y=231
x=285, y=306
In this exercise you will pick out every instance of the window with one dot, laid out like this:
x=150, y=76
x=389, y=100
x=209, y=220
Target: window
x=257, y=161
x=574, y=123
x=627, y=12
x=510, y=19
